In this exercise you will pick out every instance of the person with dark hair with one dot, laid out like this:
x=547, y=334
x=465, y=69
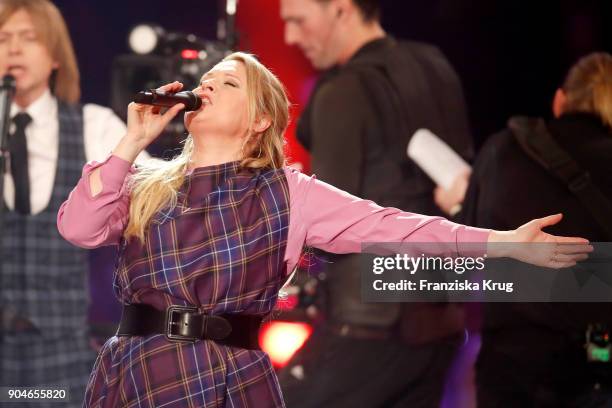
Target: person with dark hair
x=44, y=339
x=534, y=354
x=375, y=92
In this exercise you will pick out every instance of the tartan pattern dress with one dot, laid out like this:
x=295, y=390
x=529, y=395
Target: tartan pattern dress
x=221, y=248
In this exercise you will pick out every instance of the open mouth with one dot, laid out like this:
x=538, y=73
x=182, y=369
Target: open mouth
x=15, y=69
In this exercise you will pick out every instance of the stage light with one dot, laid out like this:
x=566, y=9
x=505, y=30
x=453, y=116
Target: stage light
x=144, y=38
x=282, y=339
x=288, y=302
x=160, y=57
x=190, y=54
x=230, y=7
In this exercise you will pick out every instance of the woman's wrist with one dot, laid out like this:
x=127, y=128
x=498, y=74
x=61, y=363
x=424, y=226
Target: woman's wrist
x=499, y=243
x=128, y=148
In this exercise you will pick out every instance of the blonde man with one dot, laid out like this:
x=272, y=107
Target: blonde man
x=43, y=280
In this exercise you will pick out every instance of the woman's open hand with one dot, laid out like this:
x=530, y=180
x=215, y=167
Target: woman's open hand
x=530, y=244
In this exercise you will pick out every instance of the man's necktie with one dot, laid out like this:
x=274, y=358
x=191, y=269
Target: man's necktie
x=18, y=148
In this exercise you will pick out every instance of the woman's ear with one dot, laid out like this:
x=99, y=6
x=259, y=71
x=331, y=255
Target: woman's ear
x=262, y=124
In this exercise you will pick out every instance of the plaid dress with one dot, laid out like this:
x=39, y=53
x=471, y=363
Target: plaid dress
x=221, y=249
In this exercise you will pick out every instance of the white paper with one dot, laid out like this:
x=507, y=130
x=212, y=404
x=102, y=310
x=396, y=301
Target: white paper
x=437, y=159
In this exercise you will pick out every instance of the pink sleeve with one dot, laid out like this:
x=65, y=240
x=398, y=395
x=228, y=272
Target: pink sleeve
x=90, y=222
x=327, y=218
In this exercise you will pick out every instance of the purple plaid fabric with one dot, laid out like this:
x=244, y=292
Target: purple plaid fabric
x=221, y=249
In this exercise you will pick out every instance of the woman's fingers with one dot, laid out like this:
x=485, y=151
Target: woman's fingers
x=146, y=109
x=142, y=108
x=548, y=221
x=175, y=86
x=568, y=241
x=559, y=265
x=138, y=107
x=574, y=248
x=569, y=257
x=171, y=113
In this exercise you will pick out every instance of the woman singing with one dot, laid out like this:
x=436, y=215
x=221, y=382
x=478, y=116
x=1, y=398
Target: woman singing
x=208, y=239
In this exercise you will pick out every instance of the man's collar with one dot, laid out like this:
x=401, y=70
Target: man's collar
x=370, y=46
x=41, y=110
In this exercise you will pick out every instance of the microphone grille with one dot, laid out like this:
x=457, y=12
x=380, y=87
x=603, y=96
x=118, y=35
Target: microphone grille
x=195, y=102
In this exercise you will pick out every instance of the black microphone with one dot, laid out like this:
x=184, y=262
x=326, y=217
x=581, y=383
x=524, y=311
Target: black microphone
x=160, y=98
x=7, y=91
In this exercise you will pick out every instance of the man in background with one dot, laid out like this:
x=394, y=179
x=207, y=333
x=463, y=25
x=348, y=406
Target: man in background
x=43, y=279
x=373, y=94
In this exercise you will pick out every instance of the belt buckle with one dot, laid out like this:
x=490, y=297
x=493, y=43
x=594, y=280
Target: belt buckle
x=171, y=322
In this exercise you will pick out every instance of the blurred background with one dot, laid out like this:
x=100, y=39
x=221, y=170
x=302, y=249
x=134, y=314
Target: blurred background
x=512, y=52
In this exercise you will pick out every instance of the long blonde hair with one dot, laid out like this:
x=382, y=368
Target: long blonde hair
x=155, y=186
x=52, y=32
x=588, y=86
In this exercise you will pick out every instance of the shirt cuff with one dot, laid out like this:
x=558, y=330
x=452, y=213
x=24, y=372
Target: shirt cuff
x=113, y=171
x=113, y=174
x=472, y=241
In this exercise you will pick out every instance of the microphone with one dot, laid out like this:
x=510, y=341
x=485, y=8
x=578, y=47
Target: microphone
x=160, y=98
x=7, y=91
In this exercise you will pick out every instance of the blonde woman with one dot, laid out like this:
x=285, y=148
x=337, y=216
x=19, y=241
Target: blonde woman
x=207, y=239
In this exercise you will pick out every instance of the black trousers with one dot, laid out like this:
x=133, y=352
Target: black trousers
x=532, y=367
x=336, y=371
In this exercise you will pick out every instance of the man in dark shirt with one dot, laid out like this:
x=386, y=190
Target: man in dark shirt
x=374, y=94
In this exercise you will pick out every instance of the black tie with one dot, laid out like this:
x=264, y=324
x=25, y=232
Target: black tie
x=18, y=148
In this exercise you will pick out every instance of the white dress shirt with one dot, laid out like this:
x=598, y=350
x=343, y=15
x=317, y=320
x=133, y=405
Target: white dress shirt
x=102, y=131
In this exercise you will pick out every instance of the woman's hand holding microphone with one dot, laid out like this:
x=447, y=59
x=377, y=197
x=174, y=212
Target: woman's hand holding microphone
x=145, y=123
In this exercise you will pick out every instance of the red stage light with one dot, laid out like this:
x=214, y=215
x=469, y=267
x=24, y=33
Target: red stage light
x=282, y=339
x=189, y=54
x=287, y=303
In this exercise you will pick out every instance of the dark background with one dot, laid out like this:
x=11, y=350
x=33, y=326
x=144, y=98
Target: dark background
x=511, y=55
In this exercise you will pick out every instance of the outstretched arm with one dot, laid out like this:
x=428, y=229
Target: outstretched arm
x=335, y=221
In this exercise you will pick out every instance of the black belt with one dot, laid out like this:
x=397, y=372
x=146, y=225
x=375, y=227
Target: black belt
x=185, y=324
